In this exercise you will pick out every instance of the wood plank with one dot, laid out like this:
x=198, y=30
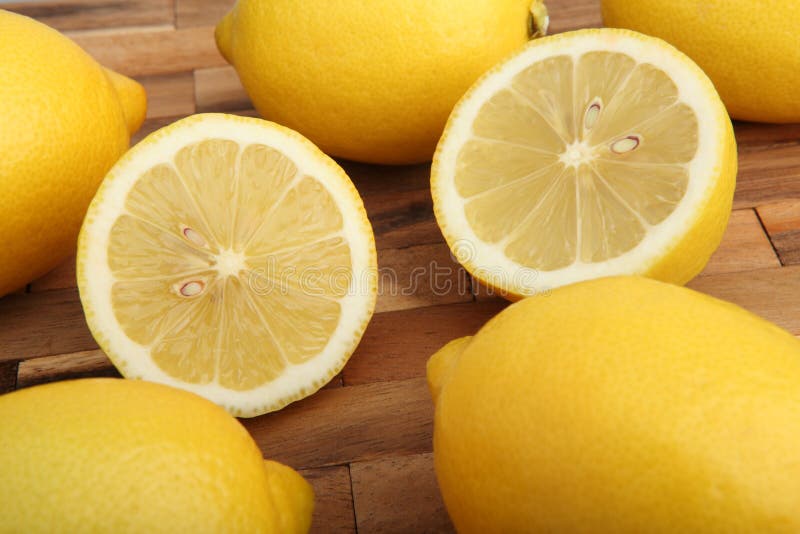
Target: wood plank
x=387, y=179
x=398, y=495
x=342, y=425
x=8, y=376
x=402, y=219
x=768, y=175
x=745, y=247
x=149, y=51
x=65, y=15
x=754, y=136
x=770, y=293
x=566, y=15
x=219, y=89
x=201, y=12
x=169, y=95
x=418, y=276
x=92, y=363
x=333, y=499
x=397, y=345
x=782, y=221
x=41, y=324
x=61, y=277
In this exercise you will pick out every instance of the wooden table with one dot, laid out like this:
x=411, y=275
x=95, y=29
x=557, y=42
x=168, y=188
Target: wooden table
x=364, y=441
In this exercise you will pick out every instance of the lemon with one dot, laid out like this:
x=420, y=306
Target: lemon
x=111, y=455
x=65, y=121
x=228, y=256
x=750, y=50
x=620, y=405
x=588, y=154
x=370, y=81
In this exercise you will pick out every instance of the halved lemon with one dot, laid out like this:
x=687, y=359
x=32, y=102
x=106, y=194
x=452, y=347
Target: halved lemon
x=588, y=154
x=229, y=257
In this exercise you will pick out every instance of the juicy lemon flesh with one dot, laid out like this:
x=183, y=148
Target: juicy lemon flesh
x=576, y=159
x=229, y=264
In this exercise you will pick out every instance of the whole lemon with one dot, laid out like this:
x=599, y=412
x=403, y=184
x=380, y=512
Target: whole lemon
x=112, y=455
x=750, y=50
x=370, y=81
x=620, y=405
x=65, y=121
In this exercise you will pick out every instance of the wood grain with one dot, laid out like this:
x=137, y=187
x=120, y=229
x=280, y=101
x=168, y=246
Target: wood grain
x=61, y=277
x=398, y=495
x=782, y=222
x=95, y=14
x=745, y=247
x=752, y=136
x=770, y=293
x=201, y=12
x=574, y=14
x=8, y=376
x=403, y=219
x=169, y=94
x=397, y=345
x=219, y=89
x=41, y=324
x=149, y=51
x=419, y=276
x=343, y=425
x=333, y=500
x=92, y=363
x=768, y=175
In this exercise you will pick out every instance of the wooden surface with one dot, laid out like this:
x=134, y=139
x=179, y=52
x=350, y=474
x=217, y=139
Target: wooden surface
x=364, y=441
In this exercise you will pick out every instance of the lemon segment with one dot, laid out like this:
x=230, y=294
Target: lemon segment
x=227, y=256
x=587, y=154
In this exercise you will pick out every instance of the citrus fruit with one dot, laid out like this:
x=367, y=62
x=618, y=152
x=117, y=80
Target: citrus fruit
x=750, y=50
x=228, y=256
x=65, y=121
x=588, y=154
x=370, y=81
x=622, y=404
x=111, y=455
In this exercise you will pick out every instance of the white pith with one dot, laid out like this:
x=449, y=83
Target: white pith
x=96, y=279
x=693, y=90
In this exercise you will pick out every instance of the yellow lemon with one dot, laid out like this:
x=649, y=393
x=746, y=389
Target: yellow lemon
x=750, y=50
x=587, y=154
x=230, y=257
x=65, y=121
x=110, y=455
x=620, y=405
x=370, y=81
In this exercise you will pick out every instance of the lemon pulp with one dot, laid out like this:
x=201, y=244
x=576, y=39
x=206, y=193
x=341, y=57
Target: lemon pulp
x=230, y=257
x=576, y=159
x=210, y=261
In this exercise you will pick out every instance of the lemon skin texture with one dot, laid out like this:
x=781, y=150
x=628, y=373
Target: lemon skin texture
x=65, y=121
x=368, y=81
x=113, y=455
x=620, y=405
x=750, y=50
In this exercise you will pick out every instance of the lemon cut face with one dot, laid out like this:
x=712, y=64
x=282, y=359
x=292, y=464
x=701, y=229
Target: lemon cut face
x=588, y=154
x=228, y=256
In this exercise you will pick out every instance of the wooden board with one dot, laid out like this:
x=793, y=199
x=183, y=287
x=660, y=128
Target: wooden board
x=364, y=441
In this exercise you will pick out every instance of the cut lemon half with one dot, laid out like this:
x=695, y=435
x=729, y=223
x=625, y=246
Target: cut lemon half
x=229, y=257
x=588, y=154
